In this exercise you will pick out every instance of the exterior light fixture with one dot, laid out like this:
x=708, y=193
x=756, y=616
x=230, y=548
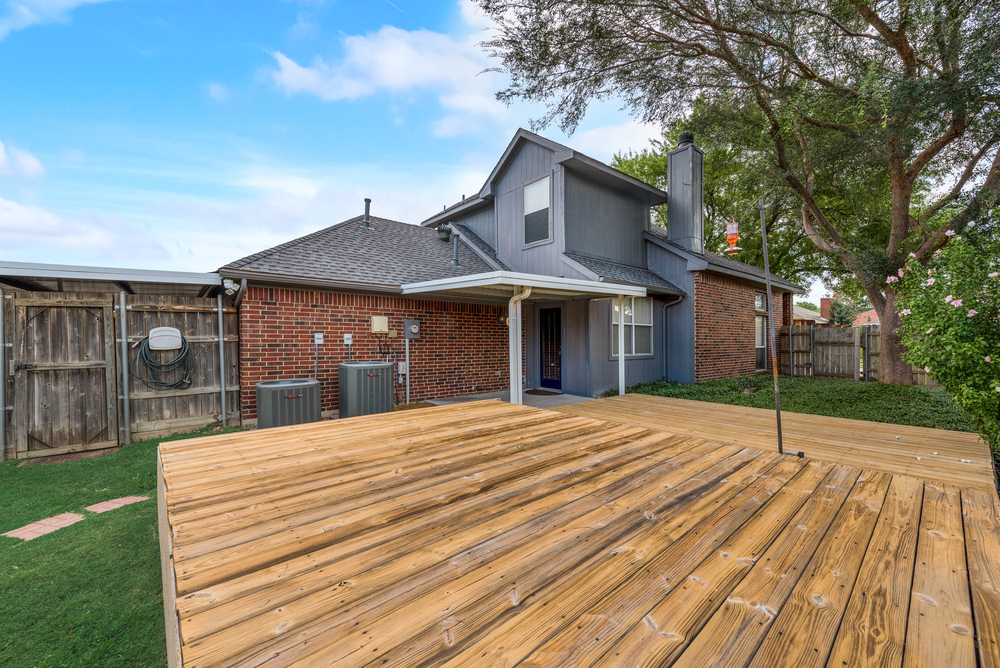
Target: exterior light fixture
x=732, y=236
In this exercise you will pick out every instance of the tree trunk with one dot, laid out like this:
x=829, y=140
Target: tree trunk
x=891, y=366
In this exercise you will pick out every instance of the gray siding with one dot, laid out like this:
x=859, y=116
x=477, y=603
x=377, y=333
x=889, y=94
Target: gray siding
x=575, y=337
x=604, y=368
x=531, y=163
x=483, y=223
x=604, y=223
x=680, y=318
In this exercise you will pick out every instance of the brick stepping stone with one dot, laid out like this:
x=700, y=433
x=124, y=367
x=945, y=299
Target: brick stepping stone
x=105, y=506
x=42, y=527
x=50, y=524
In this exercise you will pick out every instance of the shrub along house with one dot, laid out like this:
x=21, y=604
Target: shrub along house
x=552, y=273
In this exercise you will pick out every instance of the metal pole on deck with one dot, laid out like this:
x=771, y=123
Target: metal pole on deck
x=222, y=359
x=125, y=368
x=770, y=319
x=407, y=343
x=3, y=384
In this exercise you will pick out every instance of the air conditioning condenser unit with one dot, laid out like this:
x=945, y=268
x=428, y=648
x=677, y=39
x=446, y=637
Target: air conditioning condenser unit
x=365, y=388
x=284, y=402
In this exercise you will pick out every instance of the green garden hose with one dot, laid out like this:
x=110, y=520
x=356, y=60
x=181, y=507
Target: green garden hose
x=156, y=370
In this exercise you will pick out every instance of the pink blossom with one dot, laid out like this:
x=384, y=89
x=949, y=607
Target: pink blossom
x=929, y=281
x=950, y=233
x=937, y=251
x=913, y=255
x=971, y=225
x=972, y=312
x=949, y=298
x=994, y=274
x=891, y=279
x=930, y=330
x=988, y=359
x=900, y=273
x=998, y=389
x=927, y=369
x=906, y=311
x=957, y=302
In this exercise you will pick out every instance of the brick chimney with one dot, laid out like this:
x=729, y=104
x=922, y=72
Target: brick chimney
x=824, y=306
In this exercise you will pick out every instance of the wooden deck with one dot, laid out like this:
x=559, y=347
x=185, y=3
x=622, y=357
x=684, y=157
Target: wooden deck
x=486, y=534
x=884, y=447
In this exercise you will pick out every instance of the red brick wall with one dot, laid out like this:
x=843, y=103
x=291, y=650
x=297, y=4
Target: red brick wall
x=724, y=326
x=462, y=349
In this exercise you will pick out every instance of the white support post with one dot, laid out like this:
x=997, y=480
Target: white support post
x=621, y=345
x=514, y=343
x=222, y=358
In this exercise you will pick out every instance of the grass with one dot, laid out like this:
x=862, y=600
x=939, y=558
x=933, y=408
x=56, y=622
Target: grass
x=876, y=402
x=88, y=594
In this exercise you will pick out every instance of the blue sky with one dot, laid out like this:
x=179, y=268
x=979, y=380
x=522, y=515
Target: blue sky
x=184, y=135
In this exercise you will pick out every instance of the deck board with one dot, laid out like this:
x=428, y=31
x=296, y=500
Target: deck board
x=867, y=445
x=486, y=534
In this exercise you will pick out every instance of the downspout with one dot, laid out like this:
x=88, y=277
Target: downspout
x=514, y=336
x=666, y=353
x=241, y=293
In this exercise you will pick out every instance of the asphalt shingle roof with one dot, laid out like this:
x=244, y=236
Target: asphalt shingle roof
x=481, y=244
x=732, y=265
x=621, y=273
x=390, y=253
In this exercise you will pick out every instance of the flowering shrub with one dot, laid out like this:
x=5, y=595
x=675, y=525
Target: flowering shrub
x=951, y=324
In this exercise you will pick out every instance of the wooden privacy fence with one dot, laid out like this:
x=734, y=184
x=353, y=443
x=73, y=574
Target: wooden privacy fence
x=835, y=352
x=66, y=370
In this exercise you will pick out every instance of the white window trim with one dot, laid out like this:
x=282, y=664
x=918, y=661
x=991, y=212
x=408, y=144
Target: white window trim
x=633, y=325
x=549, y=239
x=758, y=314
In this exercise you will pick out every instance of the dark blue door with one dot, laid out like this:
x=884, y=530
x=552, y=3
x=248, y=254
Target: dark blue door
x=551, y=345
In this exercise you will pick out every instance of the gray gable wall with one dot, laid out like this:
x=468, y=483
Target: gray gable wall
x=604, y=223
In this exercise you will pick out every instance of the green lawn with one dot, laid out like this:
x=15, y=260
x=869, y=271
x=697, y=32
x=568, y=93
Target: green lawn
x=88, y=594
x=876, y=402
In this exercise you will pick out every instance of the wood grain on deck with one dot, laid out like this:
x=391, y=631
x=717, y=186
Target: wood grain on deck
x=875, y=445
x=487, y=535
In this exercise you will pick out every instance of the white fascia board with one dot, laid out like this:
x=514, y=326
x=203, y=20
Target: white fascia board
x=515, y=279
x=36, y=270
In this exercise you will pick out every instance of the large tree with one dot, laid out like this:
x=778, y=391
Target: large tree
x=835, y=88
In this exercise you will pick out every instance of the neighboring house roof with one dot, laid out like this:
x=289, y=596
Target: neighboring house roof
x=800, y=313
x=869, y=317
x=724, y=264
x=574, y=160
x=612, y=272
x=346, y=255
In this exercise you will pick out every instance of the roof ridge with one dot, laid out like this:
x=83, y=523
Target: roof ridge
x=243, y=261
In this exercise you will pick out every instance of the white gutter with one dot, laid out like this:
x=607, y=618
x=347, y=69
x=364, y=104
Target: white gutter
x=514, y=345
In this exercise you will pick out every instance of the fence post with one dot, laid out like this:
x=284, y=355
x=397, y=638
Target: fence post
x=791, y=351
x=857, y=353
x=867, y=350
x=222, y=358
x=125, y=368
x=812, y=351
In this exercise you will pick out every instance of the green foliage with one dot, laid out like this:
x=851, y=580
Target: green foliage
x=952, y=322
x=88, y=594
x=843, y=312
x=875, y=402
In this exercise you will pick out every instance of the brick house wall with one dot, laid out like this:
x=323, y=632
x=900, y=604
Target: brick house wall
x=724, y=326
x=462, y=349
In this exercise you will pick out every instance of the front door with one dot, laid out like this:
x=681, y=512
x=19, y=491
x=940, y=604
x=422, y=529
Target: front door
x=551, y=347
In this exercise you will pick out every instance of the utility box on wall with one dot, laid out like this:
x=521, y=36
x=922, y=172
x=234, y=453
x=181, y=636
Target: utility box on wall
x=365, y=388
x=411, y=329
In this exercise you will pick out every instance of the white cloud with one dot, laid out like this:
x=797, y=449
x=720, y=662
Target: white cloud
x=603, y=142
x=404, y=62
x=20, y=14
x=19, y=163
x=217, y=91
x=31, y=229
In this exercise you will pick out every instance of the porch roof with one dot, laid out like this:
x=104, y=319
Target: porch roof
x=500, y=286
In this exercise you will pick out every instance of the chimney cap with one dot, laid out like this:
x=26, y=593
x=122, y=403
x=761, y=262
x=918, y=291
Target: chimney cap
x=685, y=138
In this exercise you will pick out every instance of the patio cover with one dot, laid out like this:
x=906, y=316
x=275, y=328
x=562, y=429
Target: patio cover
x=514, y=287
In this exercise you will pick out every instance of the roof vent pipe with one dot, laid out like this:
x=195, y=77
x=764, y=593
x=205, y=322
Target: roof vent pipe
x=454, y=252
x=367, y=222
x=444, y=232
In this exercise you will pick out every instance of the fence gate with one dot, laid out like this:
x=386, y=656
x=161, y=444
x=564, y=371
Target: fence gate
x=64, y=374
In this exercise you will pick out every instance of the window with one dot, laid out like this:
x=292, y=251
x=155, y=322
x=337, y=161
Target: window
x=536, y=211
x=760, y=302
x=760, y=342
x=638, y=326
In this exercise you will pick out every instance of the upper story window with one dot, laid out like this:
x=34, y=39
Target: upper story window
x=759, y=302
x=536, y=211
x=638, y=326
